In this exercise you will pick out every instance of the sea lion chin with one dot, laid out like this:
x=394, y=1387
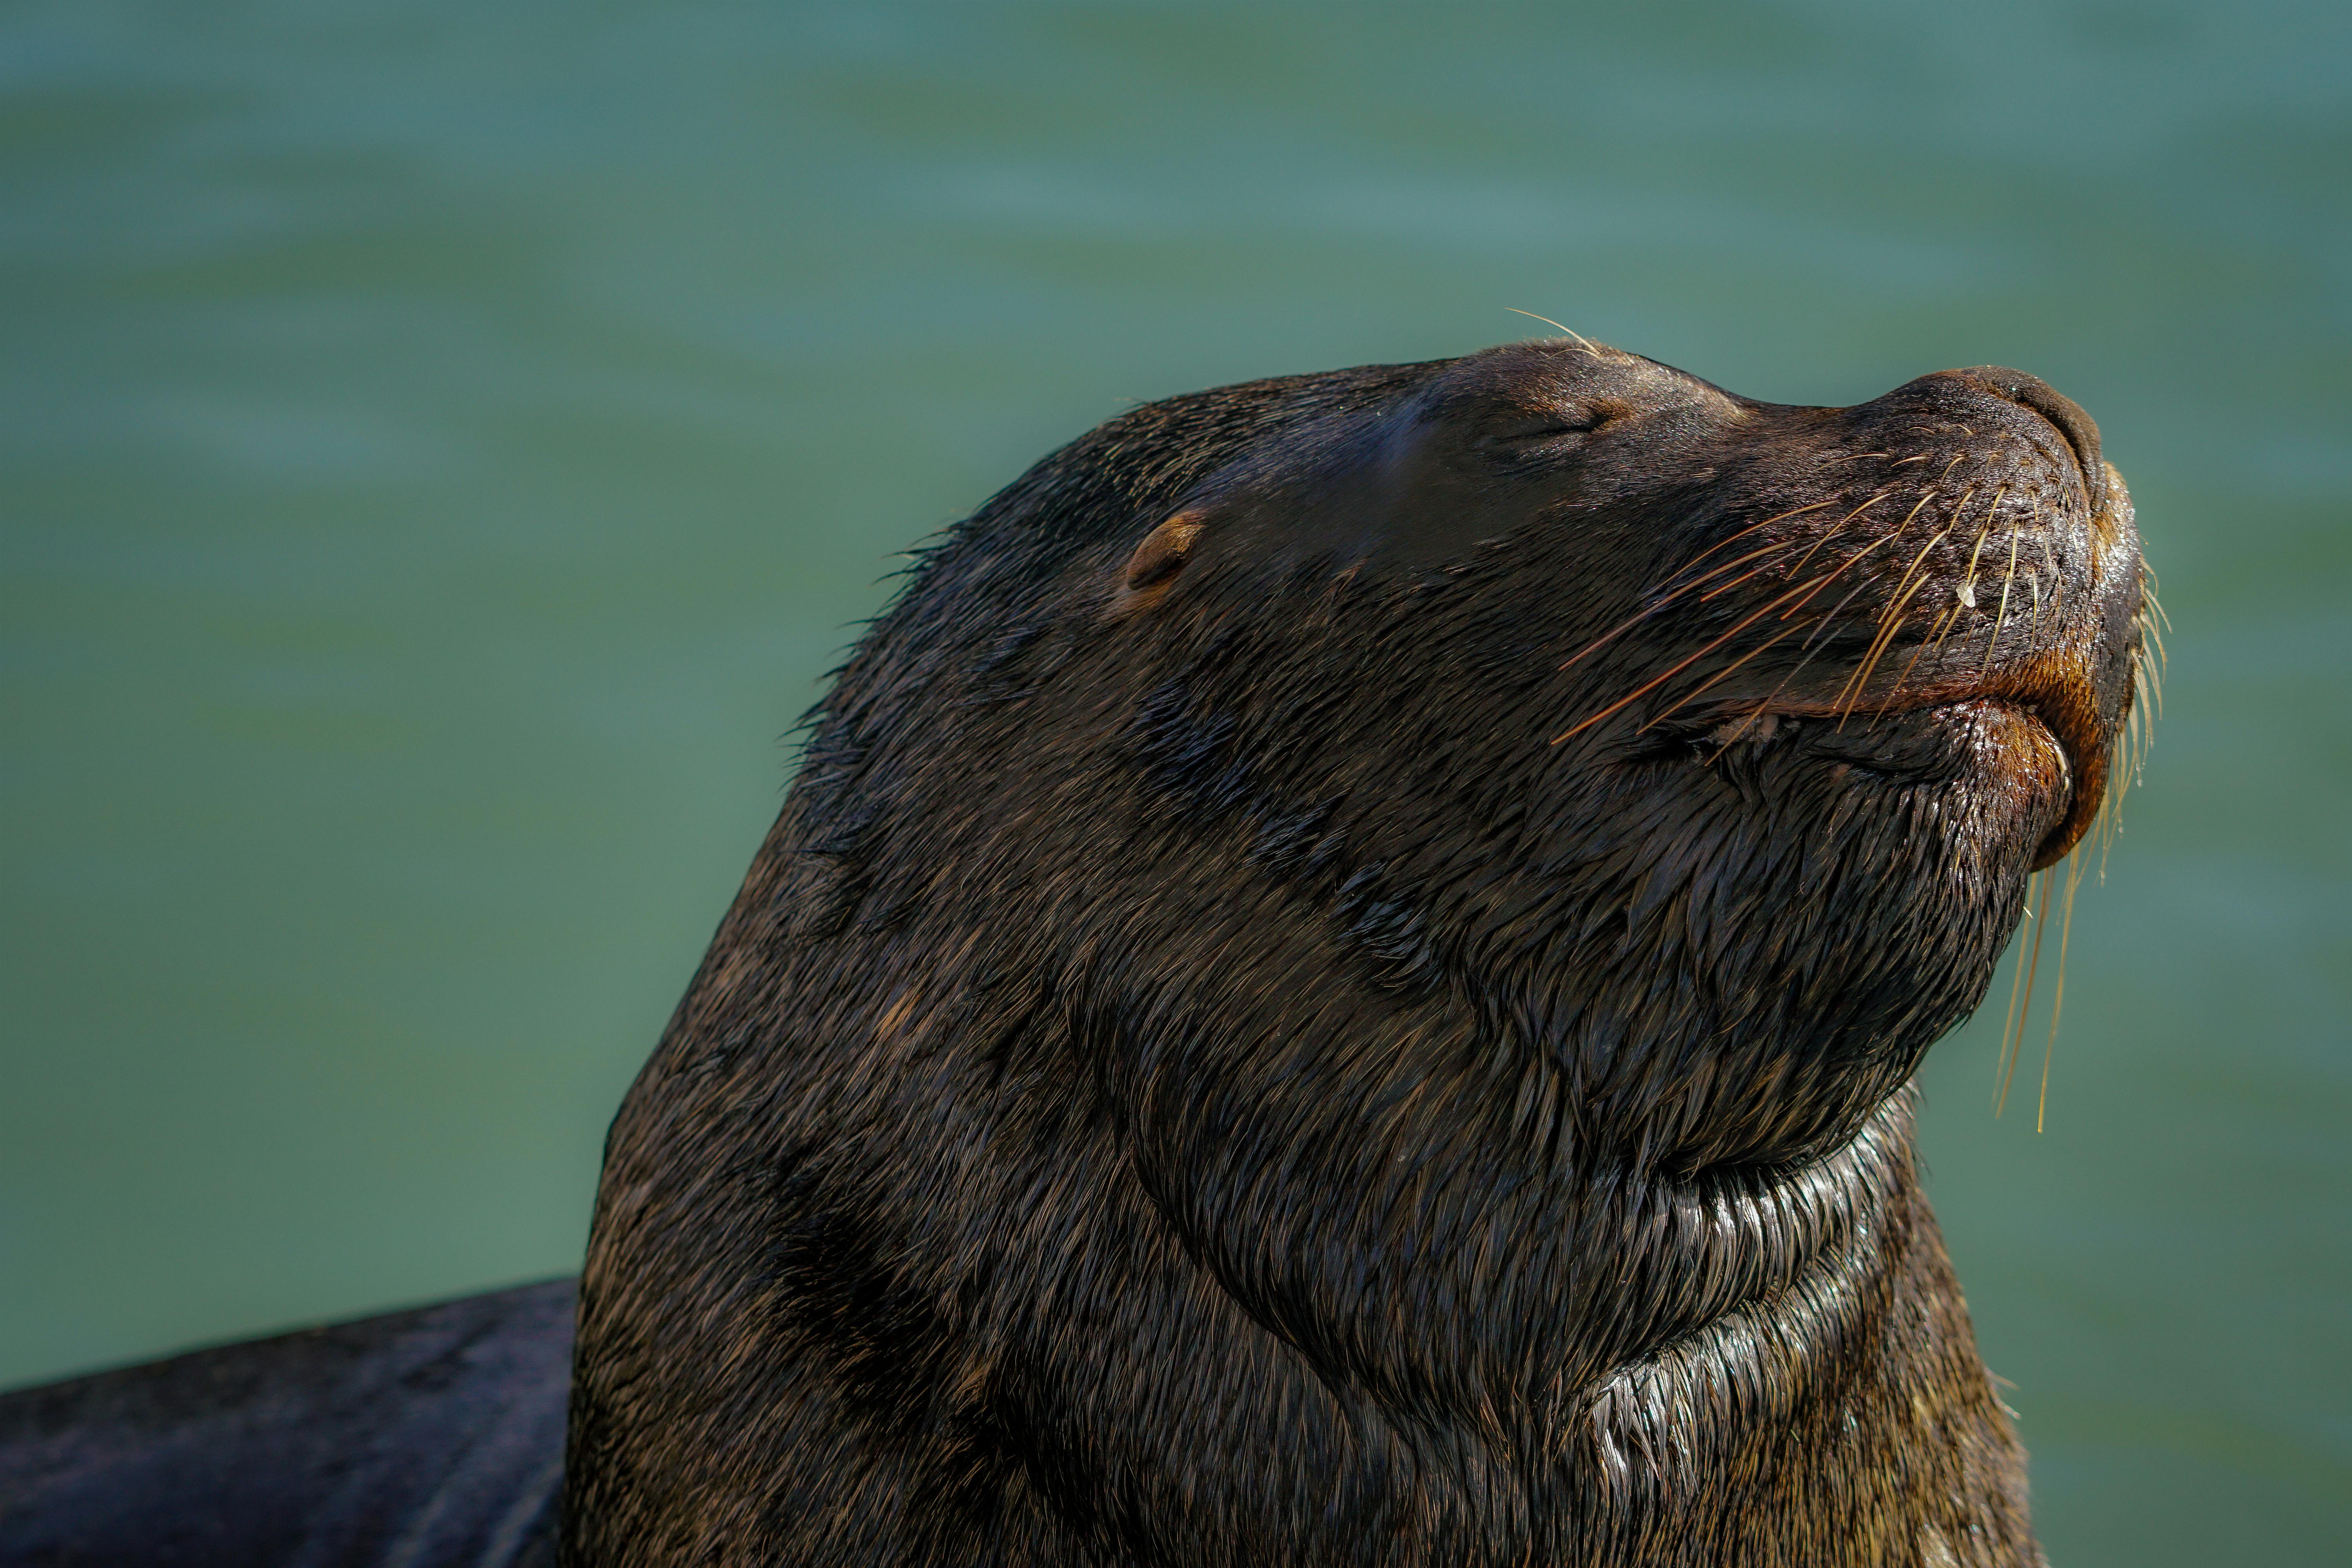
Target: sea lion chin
x=1338, y=984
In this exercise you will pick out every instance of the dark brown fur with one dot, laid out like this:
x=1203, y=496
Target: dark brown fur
x=1245, y=1047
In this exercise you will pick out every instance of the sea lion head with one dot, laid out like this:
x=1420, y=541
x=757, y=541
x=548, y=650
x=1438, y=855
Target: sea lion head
x=1702, y=744
x=1466, y=854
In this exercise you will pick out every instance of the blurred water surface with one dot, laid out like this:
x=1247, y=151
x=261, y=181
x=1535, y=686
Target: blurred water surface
x=445, y=446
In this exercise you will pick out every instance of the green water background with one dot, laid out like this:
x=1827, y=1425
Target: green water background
x=445, y=444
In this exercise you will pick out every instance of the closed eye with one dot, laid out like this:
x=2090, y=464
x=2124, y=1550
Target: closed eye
x=1539, y=430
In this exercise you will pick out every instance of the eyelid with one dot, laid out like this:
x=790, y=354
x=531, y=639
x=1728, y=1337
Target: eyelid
x=1549, y=426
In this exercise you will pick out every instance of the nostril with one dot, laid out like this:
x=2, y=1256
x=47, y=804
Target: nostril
x=2081, y=432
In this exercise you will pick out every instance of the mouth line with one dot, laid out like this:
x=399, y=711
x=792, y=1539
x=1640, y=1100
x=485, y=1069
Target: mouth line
x=2059, y=706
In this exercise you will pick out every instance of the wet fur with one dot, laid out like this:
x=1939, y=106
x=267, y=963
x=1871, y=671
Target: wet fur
x=1197, y=1076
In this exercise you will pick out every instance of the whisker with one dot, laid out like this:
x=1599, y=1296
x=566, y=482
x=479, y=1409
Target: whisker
x=1969, y=582
x=1820, y=583
x=1888, y=629
x=1802, y=594
x=1916, y=509
x=1913, y=570
x=1674, y=589
x=1819, y=624
x=2163, y=659
x=1941, y=630
x=1951, y=616
x=1889, y=623
x=2008, y=1018
x=1752, y=572
x=1547, y=322
x=2009, y=580
x=1837, y=527
x=2144, y=705
x=2033, y=963
x=1700, y=691
x=2058, y=995
x=1667, y=595
x=2148, y=592
x=1859, y=682
x=1736, y=538
x=1840, y=568
x=1829, y=533
x=1829, y=617
x=1655, y=681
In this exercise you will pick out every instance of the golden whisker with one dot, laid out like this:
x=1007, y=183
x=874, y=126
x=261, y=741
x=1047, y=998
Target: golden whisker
x=1850, y=695
x=1938, y=631
x=1952, y=619
x=1836, y=528
x=2033, y=963
x=2058, y=996
x=1747, y=576
x=1673, y=589
x=1969, y=582
x=1840, y=568
x=1655, y=681
x=1829, y=617
x=1889, y=625
x=1931, y=494
x=1736, y=538
x=1700, y=691
x=2147, y=591
x=1547, y=322
x=1821, y=623
x=1818, y=583
x=1914, y=569
x=1666, y=598
x=2163, y=659
x=2009, y=580
x=1895, y=608
x=2008, y=1017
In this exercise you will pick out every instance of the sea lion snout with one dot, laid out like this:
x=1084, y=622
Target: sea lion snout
x=2010, y=569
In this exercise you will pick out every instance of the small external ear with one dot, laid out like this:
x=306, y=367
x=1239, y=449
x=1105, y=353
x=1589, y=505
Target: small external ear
x=1160, y=556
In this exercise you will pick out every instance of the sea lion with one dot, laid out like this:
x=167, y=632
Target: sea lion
x=1337, y=986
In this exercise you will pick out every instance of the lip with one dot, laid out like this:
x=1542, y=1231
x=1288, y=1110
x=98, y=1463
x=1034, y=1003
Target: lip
x=2058, y=696
x=2054, y=697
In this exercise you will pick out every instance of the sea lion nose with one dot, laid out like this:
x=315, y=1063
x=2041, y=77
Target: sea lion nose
x=2081, y=432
